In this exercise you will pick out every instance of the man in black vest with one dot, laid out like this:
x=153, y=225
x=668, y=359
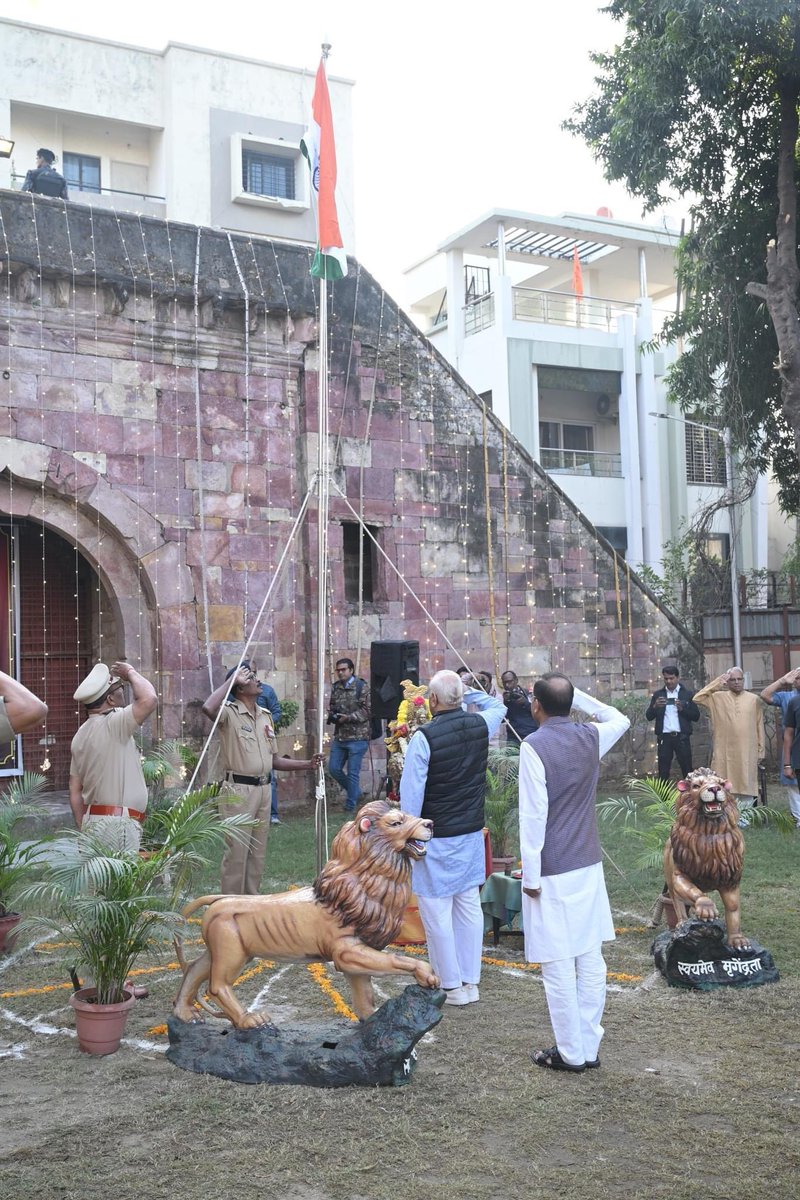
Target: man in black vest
x=44, y=179
x=673, y=709
x=444, y=779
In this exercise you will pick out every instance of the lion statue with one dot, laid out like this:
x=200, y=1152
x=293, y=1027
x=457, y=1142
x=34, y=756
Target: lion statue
x=351, y=913
x=705, y=851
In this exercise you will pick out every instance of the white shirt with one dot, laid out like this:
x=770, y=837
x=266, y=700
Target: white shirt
x=572, y=914
x=671, y=722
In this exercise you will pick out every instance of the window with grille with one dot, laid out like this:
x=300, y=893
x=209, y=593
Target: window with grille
x=268, y=175
x=705, y=455
x=82, y=172
x=355, y=548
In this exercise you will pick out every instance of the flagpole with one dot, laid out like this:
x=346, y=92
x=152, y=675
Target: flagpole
x=323, y=484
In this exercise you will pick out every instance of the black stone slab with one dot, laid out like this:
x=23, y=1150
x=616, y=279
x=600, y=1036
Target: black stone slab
x=696, y=955
x=338, y=1053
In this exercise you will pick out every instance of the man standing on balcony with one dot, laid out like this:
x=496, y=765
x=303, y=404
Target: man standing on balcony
x=43, y=179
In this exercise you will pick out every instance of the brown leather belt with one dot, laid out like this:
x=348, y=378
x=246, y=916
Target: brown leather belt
x=113, y=810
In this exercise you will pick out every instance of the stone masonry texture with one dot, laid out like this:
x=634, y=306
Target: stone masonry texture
x=162, y=418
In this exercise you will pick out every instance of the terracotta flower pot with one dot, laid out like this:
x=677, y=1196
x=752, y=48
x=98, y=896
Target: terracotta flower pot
x=503, y=863
x=7, y=936
x=100, y=1026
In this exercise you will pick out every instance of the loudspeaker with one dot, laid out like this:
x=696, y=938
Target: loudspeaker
x=390, y=663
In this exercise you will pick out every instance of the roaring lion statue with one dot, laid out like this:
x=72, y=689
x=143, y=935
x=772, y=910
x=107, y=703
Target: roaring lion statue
x=351, y=913
x=705, y=851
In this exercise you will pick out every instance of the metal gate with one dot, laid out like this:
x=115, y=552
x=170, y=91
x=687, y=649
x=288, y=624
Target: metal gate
x=55, y=622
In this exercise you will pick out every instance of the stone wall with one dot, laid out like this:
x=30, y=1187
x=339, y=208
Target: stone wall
x=159, y=410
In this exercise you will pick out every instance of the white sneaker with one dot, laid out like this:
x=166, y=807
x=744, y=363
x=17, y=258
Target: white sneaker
x=458, y=995
x=472, y=991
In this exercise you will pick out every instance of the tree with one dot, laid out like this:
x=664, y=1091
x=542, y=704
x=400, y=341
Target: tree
x=700, y=100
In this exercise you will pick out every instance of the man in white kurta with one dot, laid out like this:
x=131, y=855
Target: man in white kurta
x=565, y=906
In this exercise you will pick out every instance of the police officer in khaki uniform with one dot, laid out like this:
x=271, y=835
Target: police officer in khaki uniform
x=107, y=791
x=249, y=756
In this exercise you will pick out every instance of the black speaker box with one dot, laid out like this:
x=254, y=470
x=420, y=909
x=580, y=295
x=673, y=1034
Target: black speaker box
x=391, y=662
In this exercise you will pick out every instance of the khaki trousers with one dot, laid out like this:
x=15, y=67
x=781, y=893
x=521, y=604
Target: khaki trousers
x=243, y=864
x=115, y=833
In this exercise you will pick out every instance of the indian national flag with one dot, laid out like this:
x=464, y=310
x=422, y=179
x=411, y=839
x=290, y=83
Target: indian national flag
x=330, y=261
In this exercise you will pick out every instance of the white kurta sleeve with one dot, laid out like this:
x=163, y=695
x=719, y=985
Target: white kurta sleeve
x=533, y=804
x=611, y=723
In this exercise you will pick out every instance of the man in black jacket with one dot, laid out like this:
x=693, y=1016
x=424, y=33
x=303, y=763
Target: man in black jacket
x=44, y=179
x=673, y=709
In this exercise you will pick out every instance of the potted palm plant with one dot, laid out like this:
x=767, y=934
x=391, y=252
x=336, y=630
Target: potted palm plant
x=112, y=906
x=19, y=856
x=501, y=808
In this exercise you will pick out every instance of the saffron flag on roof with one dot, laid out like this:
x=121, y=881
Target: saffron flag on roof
x=577, y=273
x=330, y=260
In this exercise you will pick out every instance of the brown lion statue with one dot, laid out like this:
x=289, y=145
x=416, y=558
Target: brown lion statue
x=351, y=913
x=705, y=851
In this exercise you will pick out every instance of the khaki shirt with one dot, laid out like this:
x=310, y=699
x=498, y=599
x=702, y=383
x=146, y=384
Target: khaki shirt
x=106, y=760
x=247, y=741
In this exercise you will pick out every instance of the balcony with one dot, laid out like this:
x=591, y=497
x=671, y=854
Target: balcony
x=564, y=308
x=111, y=198
x=479, y=314
x=595, y=463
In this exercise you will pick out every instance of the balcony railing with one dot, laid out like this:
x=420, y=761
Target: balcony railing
x=581, y=462
x=76, y=192
x=479, y=314
x=564, y=308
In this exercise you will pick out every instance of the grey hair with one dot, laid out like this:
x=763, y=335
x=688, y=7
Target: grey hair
x=448, y=688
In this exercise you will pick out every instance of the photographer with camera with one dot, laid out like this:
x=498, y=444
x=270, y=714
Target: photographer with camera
x=673, y=710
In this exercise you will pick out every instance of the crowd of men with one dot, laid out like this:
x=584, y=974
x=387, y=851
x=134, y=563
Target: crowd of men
x=565, y=907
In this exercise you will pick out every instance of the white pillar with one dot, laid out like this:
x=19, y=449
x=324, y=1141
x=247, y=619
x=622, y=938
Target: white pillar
x=652, y=516
x=642, y=274
x=501, y=248
x=455, y=306
x=629, y=441
x=5, y=130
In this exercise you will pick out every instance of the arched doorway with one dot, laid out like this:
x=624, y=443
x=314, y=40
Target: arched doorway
x=59, y=602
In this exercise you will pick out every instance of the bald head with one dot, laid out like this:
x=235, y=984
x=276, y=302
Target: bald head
x=555, y=694
x=447, y=689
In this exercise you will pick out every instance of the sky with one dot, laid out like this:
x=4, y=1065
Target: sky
x=457, y=106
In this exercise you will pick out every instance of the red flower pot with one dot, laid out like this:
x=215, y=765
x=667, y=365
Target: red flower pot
x=7, y=936
x=100, y=1026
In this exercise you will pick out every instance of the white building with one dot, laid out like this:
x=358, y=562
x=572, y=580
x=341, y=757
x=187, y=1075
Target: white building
x=183, y=133
x=573, y=380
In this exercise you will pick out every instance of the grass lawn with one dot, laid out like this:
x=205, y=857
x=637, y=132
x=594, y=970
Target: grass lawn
x=697, y=1094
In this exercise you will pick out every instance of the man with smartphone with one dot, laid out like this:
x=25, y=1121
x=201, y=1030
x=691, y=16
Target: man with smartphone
x=673, y=709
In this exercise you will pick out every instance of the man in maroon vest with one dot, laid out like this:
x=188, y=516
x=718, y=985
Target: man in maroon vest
x=565, y=907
